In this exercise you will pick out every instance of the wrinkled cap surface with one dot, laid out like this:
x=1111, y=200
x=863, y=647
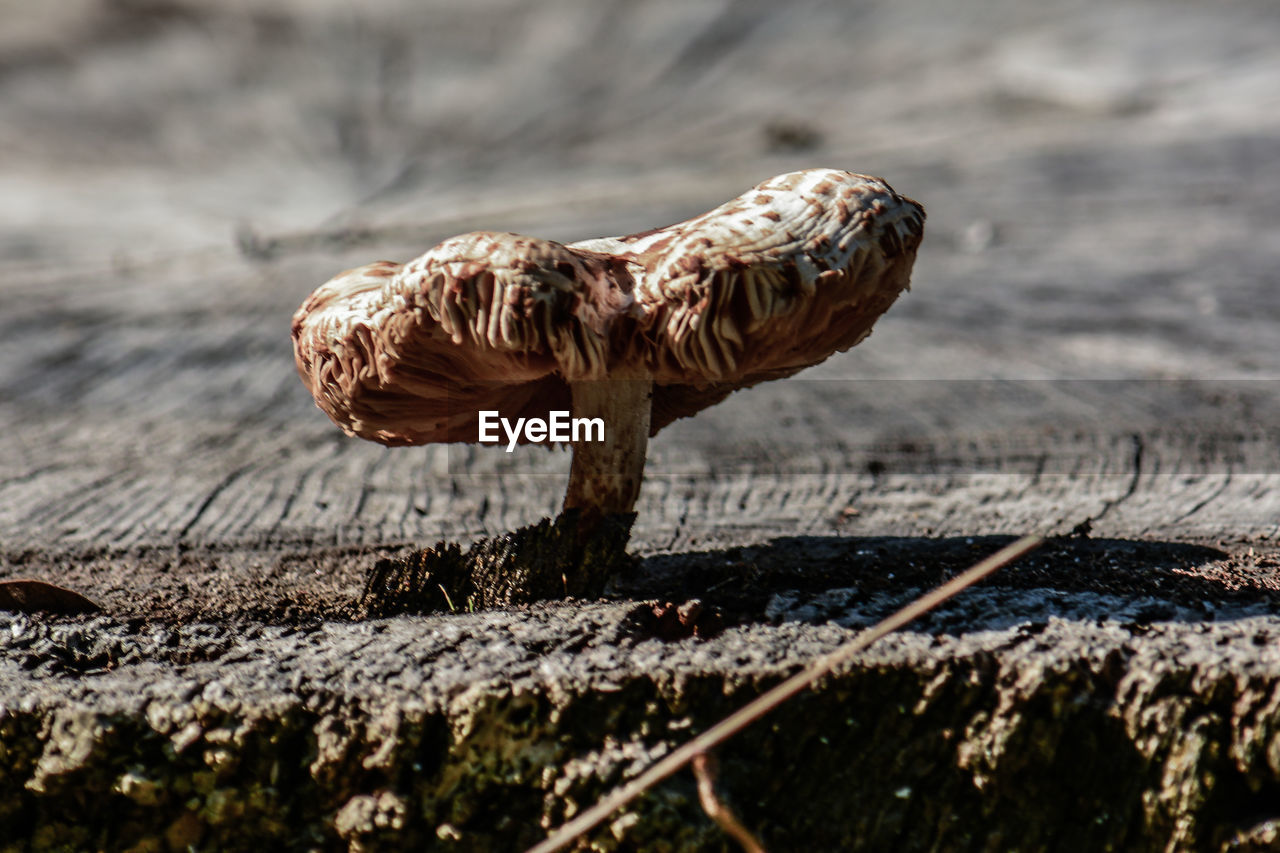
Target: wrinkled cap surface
x=761, y=287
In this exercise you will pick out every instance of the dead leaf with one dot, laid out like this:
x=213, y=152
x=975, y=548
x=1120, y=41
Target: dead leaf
x=31, y=596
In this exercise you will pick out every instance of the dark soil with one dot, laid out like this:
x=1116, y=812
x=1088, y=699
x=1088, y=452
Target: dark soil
x=303, y=586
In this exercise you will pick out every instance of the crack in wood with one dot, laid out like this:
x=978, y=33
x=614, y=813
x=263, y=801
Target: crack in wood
x=1136, y=462
x=210, y=497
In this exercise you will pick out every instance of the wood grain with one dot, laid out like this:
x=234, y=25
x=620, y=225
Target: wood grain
x=1089, y=349
x=1091, y=336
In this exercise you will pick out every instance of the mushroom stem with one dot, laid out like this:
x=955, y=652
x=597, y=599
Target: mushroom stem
x=605, y=476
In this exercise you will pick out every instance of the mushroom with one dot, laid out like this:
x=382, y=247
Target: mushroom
x=637, y=331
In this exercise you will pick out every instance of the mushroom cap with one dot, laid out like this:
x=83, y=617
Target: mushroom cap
x=410, y=354
x=774, y=281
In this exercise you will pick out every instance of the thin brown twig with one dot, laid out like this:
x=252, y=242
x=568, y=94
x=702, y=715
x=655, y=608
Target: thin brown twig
x=771, y=699
x=704, y=769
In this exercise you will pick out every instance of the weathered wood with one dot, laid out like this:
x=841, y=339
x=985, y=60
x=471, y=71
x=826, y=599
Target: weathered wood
x=148, y=396
x=1089, y=347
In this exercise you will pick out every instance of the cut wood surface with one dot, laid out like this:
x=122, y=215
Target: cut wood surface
x=1091, y=345
x=1101, y=188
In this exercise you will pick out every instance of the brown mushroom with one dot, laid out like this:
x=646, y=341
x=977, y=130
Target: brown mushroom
x=637, y=330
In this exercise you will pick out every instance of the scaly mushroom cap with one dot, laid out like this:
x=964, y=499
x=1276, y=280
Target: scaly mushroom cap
x=772, y=282
x=409, y=354
x=763, y=286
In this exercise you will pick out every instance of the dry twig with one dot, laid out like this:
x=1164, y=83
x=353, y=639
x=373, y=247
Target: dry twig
x=704, y=768
x=766, y=702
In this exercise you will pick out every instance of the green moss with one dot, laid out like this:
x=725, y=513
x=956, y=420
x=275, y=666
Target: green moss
x=961, y=756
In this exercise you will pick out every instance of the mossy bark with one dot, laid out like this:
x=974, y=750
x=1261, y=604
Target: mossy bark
x=1065, y=737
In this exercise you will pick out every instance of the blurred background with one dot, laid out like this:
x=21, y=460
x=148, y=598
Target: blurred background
x=1102, y=181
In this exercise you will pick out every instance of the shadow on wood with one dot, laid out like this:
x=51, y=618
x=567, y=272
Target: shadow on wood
x=854, y=581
